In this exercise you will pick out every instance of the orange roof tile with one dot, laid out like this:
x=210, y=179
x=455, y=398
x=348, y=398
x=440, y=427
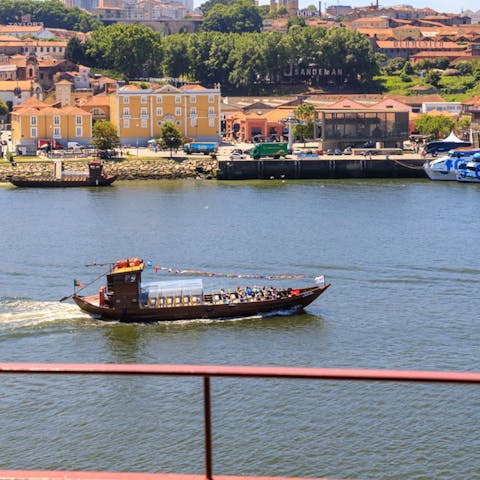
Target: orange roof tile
x=192, y=86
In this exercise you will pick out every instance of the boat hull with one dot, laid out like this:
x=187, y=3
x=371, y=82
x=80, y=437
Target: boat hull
x=61, y=183
x=90, y=304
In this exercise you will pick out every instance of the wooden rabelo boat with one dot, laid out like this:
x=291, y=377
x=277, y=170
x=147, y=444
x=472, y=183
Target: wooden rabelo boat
x=126, y=299
x=61, y=179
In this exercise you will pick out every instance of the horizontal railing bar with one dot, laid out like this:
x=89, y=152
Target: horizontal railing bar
x=242, y=371
x=64, y=475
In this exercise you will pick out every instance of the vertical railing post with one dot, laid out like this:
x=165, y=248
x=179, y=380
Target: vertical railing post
x=208, y=427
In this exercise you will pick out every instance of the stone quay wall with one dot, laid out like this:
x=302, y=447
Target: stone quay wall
x=126, y=169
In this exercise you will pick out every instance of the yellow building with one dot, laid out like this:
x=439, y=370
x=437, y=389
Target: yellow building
x=35, y=120
x=139, y=113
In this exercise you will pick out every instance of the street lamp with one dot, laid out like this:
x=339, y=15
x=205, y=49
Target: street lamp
x=136, y=128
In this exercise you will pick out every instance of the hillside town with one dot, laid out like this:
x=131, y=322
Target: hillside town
x=51, y=98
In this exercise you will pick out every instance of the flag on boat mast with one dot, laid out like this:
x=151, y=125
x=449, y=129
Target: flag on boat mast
x=320, y=280
x=77, y=283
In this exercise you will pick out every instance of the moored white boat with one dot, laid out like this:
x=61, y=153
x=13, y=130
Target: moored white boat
x=471, y=171
x=447, y=167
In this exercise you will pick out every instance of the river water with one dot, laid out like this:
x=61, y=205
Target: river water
x=401, y=257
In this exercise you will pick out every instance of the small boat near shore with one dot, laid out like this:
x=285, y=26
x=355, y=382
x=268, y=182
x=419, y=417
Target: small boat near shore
x=126, y=298
x=95, y=177
x=447, y=167
x=470, y=172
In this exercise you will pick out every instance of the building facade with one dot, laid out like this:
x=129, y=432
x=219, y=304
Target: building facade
x=139, y=113
x=35, y=120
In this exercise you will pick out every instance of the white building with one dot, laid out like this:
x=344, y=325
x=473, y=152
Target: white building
x=453, y=108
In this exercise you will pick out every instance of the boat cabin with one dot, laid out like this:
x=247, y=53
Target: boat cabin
x=123, y=284
x=126, y=291
x=171, y=293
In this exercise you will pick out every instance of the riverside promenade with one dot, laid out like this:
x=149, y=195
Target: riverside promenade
x=143, y=163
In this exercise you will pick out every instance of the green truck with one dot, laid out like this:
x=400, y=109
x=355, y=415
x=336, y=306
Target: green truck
x=274, y=149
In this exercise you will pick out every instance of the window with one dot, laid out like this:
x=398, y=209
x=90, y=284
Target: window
x=159, y=111
x=193, y=111
x=56, y=132
x=159, y=99
x=193, y=99
x=211, y=111
x=143, y=99
x=126, y=123
x=126, y=99
x=193, y=121
x=78, y=120
x=33, y=132
x=144, y=123
x=178, y=123
x=79, y=131
x=143, y=112
x=126, y=112
x=211, y=99
x=56, y=119
x=178, y=99
x=211, y=121
x=33, y=120
x=178, y=111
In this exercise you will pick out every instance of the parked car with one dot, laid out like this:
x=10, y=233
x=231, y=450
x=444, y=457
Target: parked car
x=330, y=151
x=347, y=151
x=337, y=151
x=237, y=156
x=367, y=144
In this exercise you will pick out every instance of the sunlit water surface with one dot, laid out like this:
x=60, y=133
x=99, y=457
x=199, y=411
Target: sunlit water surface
x=403, y=263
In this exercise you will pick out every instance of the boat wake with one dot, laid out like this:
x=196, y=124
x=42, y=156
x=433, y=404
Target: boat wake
x=22, y=312
x=276, y=313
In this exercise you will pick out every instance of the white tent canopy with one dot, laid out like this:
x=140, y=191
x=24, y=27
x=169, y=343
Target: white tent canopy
x=452, y=138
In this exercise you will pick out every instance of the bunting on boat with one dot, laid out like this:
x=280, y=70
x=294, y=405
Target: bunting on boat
x=319, y=280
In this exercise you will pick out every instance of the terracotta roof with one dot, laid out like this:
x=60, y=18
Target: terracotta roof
x=441, y=53
x=192, y=87
x=95, y=100
x=9, y=85
x=21, y=28
x=49, y=62
x=8, y=38
x=418, y=99
x=31, y=102
x=128, y=87
x=346, y=103
x=73, y=110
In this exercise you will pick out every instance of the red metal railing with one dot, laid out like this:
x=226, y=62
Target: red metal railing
x=206, y=372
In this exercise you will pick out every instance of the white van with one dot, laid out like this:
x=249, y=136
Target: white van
x=74, y=146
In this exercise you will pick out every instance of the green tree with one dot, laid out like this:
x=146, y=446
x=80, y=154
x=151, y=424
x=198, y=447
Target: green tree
x=433, y=78
x=463, y=124
x=300, y=21
x=209, y=4
x=75, y=51
x=51, y=12
x=464, y=67
x=3, y=108
x=176, y=59
x=134, y=50
x=241, y=17
x=436, y=125
x=305, y=114
x=408, y=69
x=442, y=63
x=105, y=135
x=170, y=137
